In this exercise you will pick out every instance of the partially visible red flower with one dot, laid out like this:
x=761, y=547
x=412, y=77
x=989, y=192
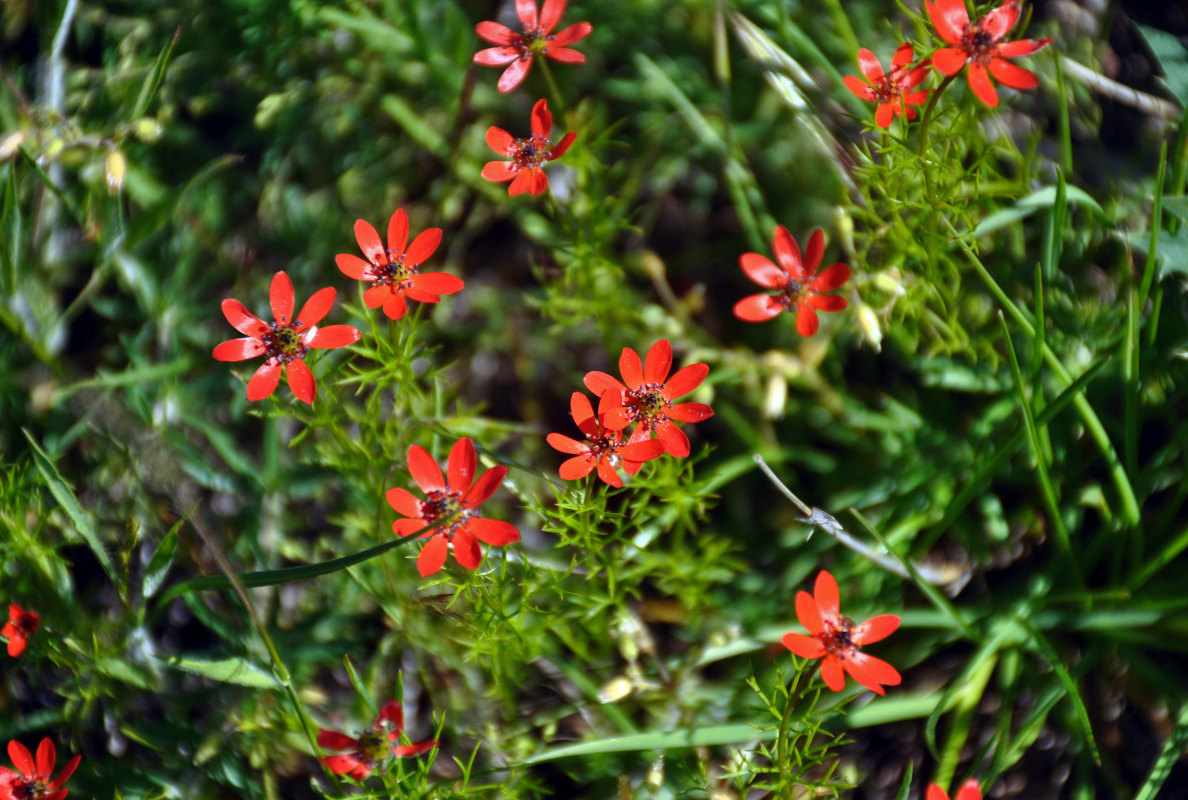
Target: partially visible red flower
x=372, y=746
x=395, y=270
x=20, y=626
x=518, y=49
x=283, y=342
x=646, y=399
x=968, y=791
x=800, y=288
x=980, y=44
x=603, y=449
x=839, y=640
x=448, y=510
x=32, y=781
x=526, y=156
x=891, y=90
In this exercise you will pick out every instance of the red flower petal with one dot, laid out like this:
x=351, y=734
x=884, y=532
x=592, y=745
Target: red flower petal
x=391, y=712
x=577, y=467
x=871, y=672
x=969, y=791
x=999, y=21
x=757, y=308
x=600, y=383
x=350, y=765
x=979, y=81
x=16, y=644
x=354, y=267
x=369, y=242
x=539, y=182
x=787, y=254
x=424, y=470
x=21, y=758
x=461, y=466
x=409, y=750
x=631, y=368
x=394, y=305
x=573, y=33
x=580, y=409
x=264, y=381
x=826, y=595
x=1023, y=47
x=550, y=15
x=398, y=231
x=675, y=440
x=936, y=793
x=560, y=147
x=831, y=278
x=496, y=56
x=423, y=246
x=526, y=11
x=684, y=381
x=609, y=475
x=495, y=33
x=514, y=74
x=831, y=673
x=484, y=487
x=403, y=502
x=827, y=302
x=885, y=113
x=949, y=60
x=870, y=66
x=542, y=119
x=808, y=613
x=243, y=320
x=915, y=78
x=280, y=294
x=316, y=307
x=565, y=55
x=564, y=444
x=433, y=556
x=949, y=17
x=334, y=740
x=494, y=532
x=333, y=336
x=239, y=349
x=376, y=296
x=65, y=774
x=616, y=419
x=814, y=251
x=47, y=754
x=658, y=362
x=903, y=56
x=1013, y=75
x=858, y=87
x=803, y=646
x=301, y=381
x=437, y=283
x=412, y=292
x=689, y=412
x=523, y=182
x=466, y=550
x=875, y=629
x=806, y=319
x=407, y=527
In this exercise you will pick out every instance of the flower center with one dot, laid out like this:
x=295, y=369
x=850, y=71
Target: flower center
x=444, y=510
x=395, y=273
x=30, y=790
x=838, y=637
x=979, y=43
x=24, y=624
x=793, y=293
x=530, y=153
x=534, y=41
x=373, y=746
x=646, y=402
x=284, y=342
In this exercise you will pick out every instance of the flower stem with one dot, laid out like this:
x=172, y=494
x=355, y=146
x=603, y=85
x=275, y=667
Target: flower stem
x=925, y=119
x=554, y=90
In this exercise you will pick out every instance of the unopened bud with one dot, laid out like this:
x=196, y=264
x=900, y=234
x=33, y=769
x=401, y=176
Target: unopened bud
x=114, y=168
x=616, y=689
x=845, y=230
x=776, y=396
x=10, y=144
x=886, y=283
x=147, y=129
x=655, y=777
x=868, y=323
x=653, y=265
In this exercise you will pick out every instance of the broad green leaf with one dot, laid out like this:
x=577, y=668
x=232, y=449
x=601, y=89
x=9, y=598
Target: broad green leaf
x=1172, y=55
x=160, y=563
x=1025, y=207
x=154, y=78
x=668, y=740
x=225, y=670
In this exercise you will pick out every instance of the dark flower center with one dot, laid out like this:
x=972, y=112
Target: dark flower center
x=530, y=153
x=604, y=444
x=30, y=790
x=24, y=623
x=979, y=43
x=838, y=637
x=395, y=273
x=444, y=510
x=373, y=746
x=794, y=292
x=534, y=40
x=646, y=402
x=284, y=342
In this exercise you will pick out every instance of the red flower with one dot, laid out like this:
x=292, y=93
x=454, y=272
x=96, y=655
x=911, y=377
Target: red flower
x=799, y=290
x=891, y=90
x=968, y=791
x=395, y=270
x=980, y=45
x=526, y=155
x=603, y=448
x=647, y=397
x=372, y=746
x=518, y=49
x=20, y=626
x=839, y=640
x=284, y=341
x=448, y=510
x=32, y=781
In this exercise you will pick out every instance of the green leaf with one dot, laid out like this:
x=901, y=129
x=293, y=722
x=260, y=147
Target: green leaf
x=1172, y=56
x=1025, y=207
x=160, y=563
x=154, y=78
x=1173, y=748
x=225, y=670
x=667, y=740
x=69, y=503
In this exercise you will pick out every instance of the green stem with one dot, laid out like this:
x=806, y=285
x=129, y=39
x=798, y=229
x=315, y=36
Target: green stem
x=554, y=90
x=925, y=120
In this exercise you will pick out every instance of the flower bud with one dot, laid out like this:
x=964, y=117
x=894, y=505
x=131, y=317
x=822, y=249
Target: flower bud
x=868, y=323
x=776, y=396
x=615, y=689
x=845, y=230
x=147, y=129
x=10, y=144
x=114, y=168
x=889, y=284
x=655, y=777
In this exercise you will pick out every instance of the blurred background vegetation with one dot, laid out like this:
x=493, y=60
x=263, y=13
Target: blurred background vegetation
x=159, y=157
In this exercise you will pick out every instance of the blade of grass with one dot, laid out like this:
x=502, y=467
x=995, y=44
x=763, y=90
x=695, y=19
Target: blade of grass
x=74, y=510
x=970, y=695
x=1070, y=687
x=153, y=80
x=1088, y=415
x=1156, y=228
x=706, y=736
x=1171, y=753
